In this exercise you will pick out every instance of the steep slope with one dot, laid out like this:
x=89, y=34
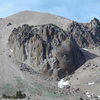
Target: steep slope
x=38, y=18
x=86, y=35
x=47, y=48
x=11, y=77
x=88, y=73
x=9, y=72
x=32, y=18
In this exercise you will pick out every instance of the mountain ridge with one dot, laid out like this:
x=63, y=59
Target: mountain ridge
x=48, y=36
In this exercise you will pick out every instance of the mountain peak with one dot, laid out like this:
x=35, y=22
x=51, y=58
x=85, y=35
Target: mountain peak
x=95, y=21
x=38, y=18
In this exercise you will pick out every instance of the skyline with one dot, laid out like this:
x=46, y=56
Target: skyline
x=78, y=10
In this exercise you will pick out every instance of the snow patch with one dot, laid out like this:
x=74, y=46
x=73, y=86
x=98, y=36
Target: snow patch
x=92, y=96
x=11, y=50
x=91, y=83
x=88, y=95
x=62, y=83
x=98, y=96
x=85, y=49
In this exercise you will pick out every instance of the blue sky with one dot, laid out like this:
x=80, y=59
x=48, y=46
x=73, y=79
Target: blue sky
x=78, y=10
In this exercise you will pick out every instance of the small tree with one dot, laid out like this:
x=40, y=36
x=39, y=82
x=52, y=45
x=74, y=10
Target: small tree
x=4, y=96
x=20, y=95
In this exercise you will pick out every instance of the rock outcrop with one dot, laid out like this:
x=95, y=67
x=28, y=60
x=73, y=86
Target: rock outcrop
x=86, y=35
x=47, y=49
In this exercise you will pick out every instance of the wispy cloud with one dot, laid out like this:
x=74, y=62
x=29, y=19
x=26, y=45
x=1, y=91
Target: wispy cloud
x=79, y=10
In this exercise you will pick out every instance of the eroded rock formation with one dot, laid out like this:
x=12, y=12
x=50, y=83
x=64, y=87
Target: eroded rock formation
x=47, y=49
x=86, y=35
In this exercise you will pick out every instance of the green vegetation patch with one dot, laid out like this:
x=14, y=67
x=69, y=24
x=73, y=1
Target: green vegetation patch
x=19, y=95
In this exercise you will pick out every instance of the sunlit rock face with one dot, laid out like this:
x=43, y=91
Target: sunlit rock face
x=86, y=35
x=47, y=49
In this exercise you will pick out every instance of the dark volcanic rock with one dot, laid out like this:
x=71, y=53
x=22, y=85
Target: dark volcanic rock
x=47, y=49
x=86, y=35
x=9, y=24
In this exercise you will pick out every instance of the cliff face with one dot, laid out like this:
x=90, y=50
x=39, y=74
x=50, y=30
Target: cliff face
x=86, y=35
x=47, y=49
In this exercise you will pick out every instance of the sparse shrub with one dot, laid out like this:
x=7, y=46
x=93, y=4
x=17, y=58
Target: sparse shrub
x=18, y=95
x=81, y=99
x=4, y=96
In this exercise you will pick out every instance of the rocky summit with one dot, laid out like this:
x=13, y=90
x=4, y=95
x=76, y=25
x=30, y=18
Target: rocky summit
x=86, y=35
x=47, y=49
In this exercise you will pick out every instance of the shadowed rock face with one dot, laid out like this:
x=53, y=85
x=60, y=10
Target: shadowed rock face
x=86, y=35
x=47, y=49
